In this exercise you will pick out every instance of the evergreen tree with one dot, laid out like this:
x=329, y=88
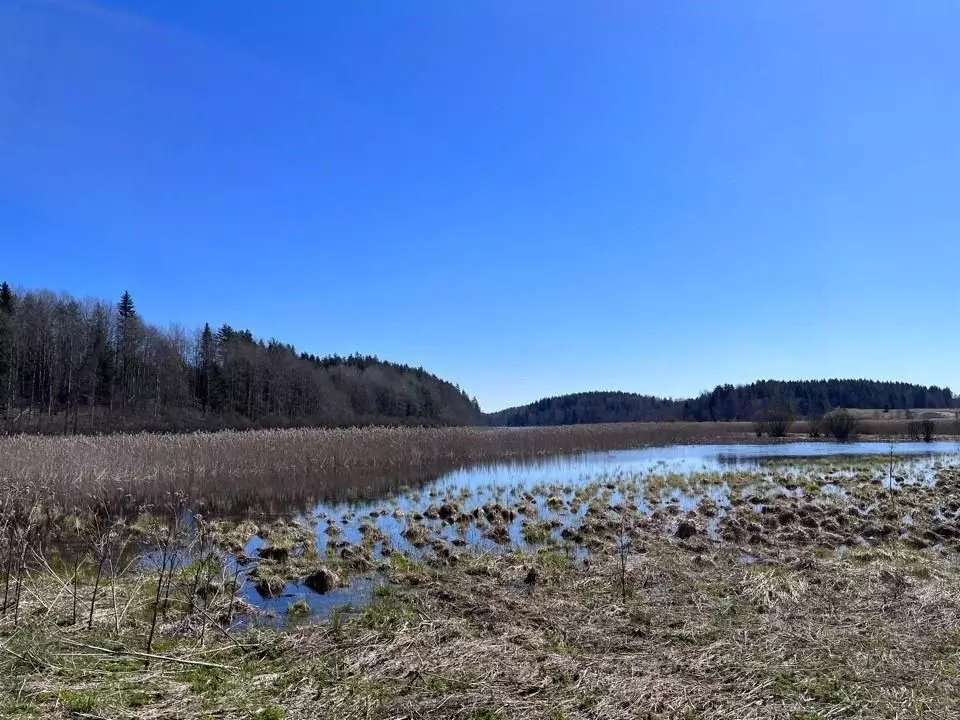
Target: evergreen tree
x=809, y=398
x=126, y=347
x=6, y=299
x=6, y=344
x=205, y=363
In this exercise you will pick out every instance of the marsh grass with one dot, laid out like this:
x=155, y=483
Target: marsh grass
x=797, y=635
x=802, y=630
x=267, y=470
x=91, y=591
x=236, y=471
x=838, y=610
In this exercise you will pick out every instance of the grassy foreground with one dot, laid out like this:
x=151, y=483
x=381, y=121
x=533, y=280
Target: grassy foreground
x=683, y=629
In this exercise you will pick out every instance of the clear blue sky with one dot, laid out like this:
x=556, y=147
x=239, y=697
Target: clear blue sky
x=527, y=198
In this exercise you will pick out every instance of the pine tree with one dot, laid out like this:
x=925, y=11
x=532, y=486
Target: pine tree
x=205, y=366
x=126, y=344
x=6, y=343
x=6, y=299
x=225, y=334
x=126, y=308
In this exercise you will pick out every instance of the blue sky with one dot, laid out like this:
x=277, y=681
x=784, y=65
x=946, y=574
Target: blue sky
x=526, y=198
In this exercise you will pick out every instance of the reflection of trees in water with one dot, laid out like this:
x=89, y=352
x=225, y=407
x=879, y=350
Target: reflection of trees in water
x=732, y=460
x=285, y=497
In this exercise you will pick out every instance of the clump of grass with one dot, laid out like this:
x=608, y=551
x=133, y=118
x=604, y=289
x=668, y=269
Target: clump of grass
x=300, y=608
x=77, y=702
x=536, y=533
x=416, y=534
x=772, y=585
x=272, y=712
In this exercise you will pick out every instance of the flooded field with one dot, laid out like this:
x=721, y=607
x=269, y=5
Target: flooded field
x=806, y=492
x=779, y=581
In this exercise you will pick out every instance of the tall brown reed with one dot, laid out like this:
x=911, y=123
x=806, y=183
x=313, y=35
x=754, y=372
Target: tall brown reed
x=243, y=469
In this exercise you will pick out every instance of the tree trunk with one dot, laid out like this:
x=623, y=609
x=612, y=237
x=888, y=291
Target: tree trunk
x=66, y=409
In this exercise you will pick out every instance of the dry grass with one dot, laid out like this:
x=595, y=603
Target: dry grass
x=868, y=634
x=801, y=618
x=760, y=620
x=240, y=470
x=871, y=635
x=267, y=470
x=871, y=427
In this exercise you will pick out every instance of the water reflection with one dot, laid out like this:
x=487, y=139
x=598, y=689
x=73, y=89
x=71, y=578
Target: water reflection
x=389, y=503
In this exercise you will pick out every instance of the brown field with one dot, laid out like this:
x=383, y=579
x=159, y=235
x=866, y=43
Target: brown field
x=872, y=427
x=916, y=413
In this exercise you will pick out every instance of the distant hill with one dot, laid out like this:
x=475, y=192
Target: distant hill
x=71, y=365
x=726, y=402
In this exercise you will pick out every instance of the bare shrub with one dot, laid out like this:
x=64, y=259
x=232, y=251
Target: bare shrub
x=840, y=424
x=815, y=425
x=913, y=430
x=922, y=429
x=775, y=422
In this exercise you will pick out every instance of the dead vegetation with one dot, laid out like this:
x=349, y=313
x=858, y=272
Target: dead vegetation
x=268, y=471
x=824, y=589
x=701, y=633
x=237, y=471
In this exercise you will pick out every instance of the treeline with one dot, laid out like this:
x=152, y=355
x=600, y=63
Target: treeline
x=811, y=398
x=70, y=365
x=588, y=407
x=805, y=398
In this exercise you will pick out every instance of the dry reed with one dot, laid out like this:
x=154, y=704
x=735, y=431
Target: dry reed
x=239, y=470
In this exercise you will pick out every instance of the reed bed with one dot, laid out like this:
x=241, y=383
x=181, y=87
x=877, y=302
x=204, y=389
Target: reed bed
x=270, y=470
x=239, y=470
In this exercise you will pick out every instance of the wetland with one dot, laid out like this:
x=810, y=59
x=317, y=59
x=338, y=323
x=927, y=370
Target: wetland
x=720, y=580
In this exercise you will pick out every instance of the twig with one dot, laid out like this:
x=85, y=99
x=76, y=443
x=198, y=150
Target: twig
x=147, y=656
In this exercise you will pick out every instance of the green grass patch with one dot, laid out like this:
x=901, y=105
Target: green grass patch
x=401, y=562
x=74, y=701
x=485, y=714
x=298, y=609
x=387, y=614
x=204, y=680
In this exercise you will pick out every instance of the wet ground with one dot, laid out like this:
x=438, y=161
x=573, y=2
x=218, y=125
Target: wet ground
x=749, y=496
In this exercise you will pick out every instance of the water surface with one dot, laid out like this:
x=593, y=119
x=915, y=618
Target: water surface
x=540, y=483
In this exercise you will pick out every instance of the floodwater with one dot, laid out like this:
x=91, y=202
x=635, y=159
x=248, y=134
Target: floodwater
x=547, y=488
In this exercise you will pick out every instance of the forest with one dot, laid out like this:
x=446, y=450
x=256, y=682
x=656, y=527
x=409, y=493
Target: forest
x=803, y=398
x=84, y=366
